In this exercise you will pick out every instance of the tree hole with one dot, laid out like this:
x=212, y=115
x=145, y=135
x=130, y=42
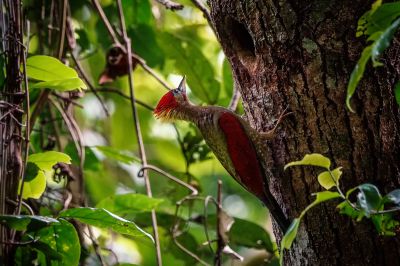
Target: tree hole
x=240, y=37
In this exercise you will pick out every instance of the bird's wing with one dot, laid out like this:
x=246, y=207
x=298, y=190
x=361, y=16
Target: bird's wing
x=242, y=153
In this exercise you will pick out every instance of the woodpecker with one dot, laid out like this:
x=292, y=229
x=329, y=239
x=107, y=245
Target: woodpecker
x=117, y=65
x=238, y=146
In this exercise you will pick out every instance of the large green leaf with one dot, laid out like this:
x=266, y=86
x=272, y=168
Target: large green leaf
x=314, y=159
x=249, y=234
x=129, y=203
x=105, y=219
x=26, y=222
x=190, y=61
x=145, y=44
x=47, y=68
x=63, y=239
x=369, y=198
x=53, y=74
x=46, y=160
x=61, y=85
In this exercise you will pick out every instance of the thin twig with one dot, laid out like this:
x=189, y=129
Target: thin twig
x=135, y=116
x=206, y=201
x=114, y=37
x=173, y=178
x=206, y=13
x=106, y=21
x=123, y=95
x=220, y=239
x=235, y=99
x=63, y=26
x=91, y=87
x=170, y=4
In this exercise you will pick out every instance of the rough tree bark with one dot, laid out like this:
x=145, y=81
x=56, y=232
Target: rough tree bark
x=11, y=113
x=301, y=54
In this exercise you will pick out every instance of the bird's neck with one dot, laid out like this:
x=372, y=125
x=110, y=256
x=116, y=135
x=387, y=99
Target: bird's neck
x=191, y=113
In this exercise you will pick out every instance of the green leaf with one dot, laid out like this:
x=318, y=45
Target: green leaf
x=47, y=68
x=190, y=61
x=314, y=159
x=62, y=239
x=397, y=92
x=129, y=203
x=25, y=222
x=35, y=187
x=46, y=160
x=369, y=198
x=393, y=197
x=385, y=224
x=116, y=154
x=31, y=171
x=346, y=209
x=357, y=74
x=61, y=85
x=146, y=45
x=249, y=234
x=105, y=219
x=378, y=19
x=328, y=179
x=53, y=74
x=381, y=40
x=290, y=234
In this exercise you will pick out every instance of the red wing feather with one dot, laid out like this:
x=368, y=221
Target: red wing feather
x=242, y=153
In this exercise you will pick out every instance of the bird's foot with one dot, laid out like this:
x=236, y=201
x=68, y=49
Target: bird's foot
x=271, y=133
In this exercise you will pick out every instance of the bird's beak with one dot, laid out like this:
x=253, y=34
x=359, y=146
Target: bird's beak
x=182, y=85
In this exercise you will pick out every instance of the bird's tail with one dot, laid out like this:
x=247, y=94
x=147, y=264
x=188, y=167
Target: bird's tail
x=276, y=211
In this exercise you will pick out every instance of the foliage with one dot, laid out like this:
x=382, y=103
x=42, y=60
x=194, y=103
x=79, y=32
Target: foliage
x=378, y=24
x=83, y=148
x=369, y=203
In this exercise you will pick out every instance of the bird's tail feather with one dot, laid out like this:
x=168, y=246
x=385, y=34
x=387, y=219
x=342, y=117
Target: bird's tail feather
x=276, y=211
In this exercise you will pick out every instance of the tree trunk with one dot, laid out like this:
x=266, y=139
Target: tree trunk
x=11, y=113
x=300, y=54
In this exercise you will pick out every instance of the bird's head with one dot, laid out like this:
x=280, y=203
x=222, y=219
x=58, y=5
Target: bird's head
x=171, y=101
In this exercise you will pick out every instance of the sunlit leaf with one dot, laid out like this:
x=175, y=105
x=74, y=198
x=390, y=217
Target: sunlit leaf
x=314, y=159
x=35, y=187
x=47, y=68
x=329, y=179
x=46, y=160
x=105, y=219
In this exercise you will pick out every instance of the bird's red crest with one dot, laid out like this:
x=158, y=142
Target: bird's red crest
x=167, y=104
